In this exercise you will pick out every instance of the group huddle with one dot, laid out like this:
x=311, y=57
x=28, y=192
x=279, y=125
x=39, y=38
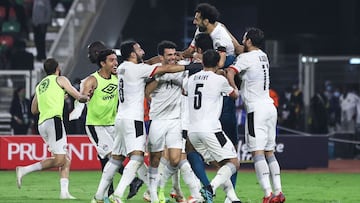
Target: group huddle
x=192, y=115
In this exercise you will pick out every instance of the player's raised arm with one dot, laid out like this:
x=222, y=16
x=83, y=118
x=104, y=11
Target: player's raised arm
x=65, y=83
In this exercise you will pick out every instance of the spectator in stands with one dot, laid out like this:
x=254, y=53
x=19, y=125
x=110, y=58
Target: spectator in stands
x=41, y=17
x=357, y=128
x=318, y=113
x=287, y=109
x=299, y=106
x=348, y=109
x=334, y=110
x=21, y=117
x=20, y=58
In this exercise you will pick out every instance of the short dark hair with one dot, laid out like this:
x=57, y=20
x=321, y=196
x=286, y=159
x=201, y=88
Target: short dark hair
x=256, y=36
x=204, y=41
x=165, y=44
x=126, y=48
x=102, y=56
x=50, y=66
x=93, y=50
x=208, y=11
x=211, y=58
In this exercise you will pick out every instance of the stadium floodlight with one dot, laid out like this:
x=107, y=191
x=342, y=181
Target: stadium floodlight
x=354, y=61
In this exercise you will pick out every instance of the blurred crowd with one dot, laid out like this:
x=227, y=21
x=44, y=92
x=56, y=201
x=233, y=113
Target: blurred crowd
x=332, y=109
x=18, y=20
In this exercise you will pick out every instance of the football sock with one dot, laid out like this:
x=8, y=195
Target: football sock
x=103, y=162
x=143, y=174
x=168, y=171
x=275, y=174
x=198, y=166
x=30, y=168
x=233, y=179
x=262, y=173
x=223, y=175
x=110, y=169
x=129, y=174
x=229, y=191
x=153, y=183
x=189, y=178
x=64, y=185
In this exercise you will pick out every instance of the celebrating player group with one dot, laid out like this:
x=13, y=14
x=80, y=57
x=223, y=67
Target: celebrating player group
x=192, y=121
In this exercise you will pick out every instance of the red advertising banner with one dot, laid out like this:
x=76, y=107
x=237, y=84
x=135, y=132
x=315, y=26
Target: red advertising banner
x=24, y=150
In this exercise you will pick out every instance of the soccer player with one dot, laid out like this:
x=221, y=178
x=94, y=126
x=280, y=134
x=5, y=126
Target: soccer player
x=102, y=107
x=206, y=21
x=205, y=91
x=129, y=127
x=49, y=103
x=203, y=42
x=165, y=129
x=103, y=138
x=260, y=130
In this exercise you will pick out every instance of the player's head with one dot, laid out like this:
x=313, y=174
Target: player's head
x=107, y=58
x=211, y=58
x=131, y=49
x=94, y=49
x=167, y=52
x=205, y=14
x=253, y=37
x=51, y=66
x=203, y=42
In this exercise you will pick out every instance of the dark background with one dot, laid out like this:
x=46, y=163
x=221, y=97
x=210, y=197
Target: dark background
x=329, y=27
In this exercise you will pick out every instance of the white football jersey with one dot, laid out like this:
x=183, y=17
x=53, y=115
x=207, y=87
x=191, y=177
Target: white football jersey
x=166, y=98
x=205, y=96
x=254, y=67
x=220, y=37
x=131, y=89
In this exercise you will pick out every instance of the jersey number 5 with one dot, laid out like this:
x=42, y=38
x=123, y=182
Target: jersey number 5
x=197, y=96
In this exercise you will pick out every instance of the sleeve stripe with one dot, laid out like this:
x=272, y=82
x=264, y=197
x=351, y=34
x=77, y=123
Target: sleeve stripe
x=153, y=72
x=235, y=69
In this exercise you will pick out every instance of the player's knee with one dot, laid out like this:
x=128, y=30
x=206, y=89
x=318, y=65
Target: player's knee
x=155, y=159
x=174, y=161
x=59, y=161
x=236, y=163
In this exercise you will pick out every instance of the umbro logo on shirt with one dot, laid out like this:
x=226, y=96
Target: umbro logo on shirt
x=109, y=89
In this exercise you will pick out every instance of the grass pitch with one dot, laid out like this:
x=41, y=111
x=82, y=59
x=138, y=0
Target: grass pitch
x=299, y=187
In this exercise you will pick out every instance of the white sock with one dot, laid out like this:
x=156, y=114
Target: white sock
x=129, y=174
x=189, y=178
x=262, y=173
x=111, y=167
x=223, y=175
x=175, y=181
x=30, y=168
x=64, y=185
x=162, y=164
x=275, y=174
x=168, y=171
x=229, y=190
x=153, y=183
x=143, y=174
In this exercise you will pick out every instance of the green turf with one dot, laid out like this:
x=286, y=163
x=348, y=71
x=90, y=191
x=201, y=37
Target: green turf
x=41, y=187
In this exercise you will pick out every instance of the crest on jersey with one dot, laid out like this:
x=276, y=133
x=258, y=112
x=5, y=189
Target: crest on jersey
x=43, y=86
